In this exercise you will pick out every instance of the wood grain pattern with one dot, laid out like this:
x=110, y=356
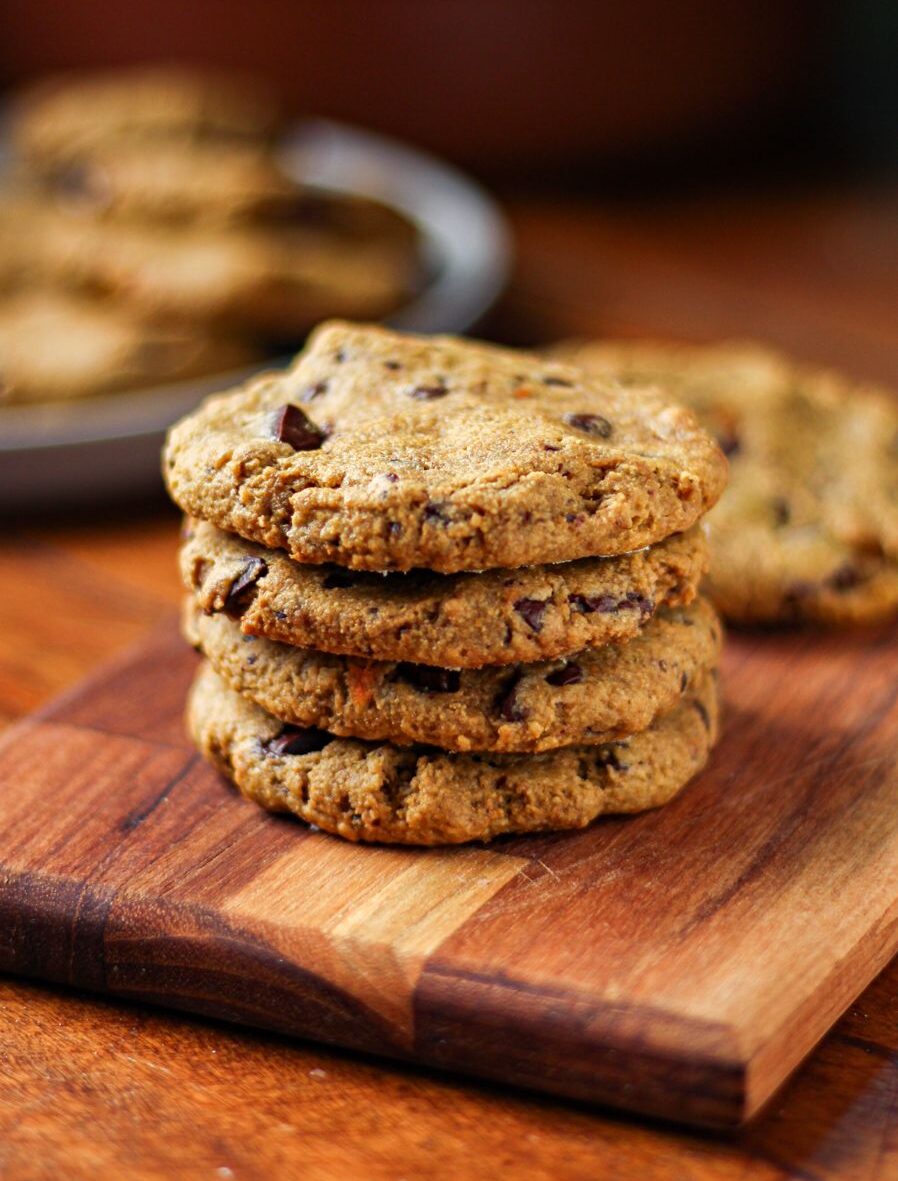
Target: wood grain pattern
x=101, y=1089
x=679, y=963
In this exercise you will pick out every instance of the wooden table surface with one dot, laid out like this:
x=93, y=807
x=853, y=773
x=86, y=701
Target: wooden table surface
x=89, y=1088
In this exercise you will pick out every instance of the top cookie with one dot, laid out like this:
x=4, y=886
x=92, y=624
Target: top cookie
x=379, y=451
x=63, y=119
x=808, y=528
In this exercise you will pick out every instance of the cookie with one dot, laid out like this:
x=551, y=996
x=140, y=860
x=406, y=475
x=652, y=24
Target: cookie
x=381, y=451
x=55, y=347
x=808, y=527
x=272, y=279
x=453, y=621
x=176, y=182
x=215, y=184
x=594, y=696
x=63, y=119
x=367, y=791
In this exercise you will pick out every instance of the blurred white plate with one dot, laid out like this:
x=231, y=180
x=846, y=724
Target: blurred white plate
x=100, y=448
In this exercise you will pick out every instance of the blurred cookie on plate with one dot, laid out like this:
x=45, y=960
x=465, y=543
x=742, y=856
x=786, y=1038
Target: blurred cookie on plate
x=62, y=119
x=54, y=347
x=277, y=280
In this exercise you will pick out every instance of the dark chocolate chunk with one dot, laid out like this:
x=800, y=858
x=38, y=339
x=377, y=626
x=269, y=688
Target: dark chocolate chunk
x=507, y=705
x=587, y=604
x=426, y=393
x=729, y=443
x=392, y=365
x=394, y=529
x=592, y=424
x=291, y=426
x=436, y=512
x=429, y=679
x=781, y=510
x=703, y=714
x=558, y=381
x=297, y=740
x=609, y=757
x=532, y=612
x=243, y=587
x=570, y=674
x=639, y=602
x=845, y=577
x=311, y=392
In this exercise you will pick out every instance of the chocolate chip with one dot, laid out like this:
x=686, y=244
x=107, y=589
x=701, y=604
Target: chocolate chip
x=781, y=510
x=703, y=714
x=507, y=705
x=394, y=529
x=592, y=424
x=436, y=512
x=684, y=682
x=340, y=356
x=297, y=740
x=291, y=426
x=558, y=381
x=610, y=758
x=339, y=580
x=392, y=365
x=532, y=612
x=570, y=674
x=429, y=679
x=729, y=443
x=639, y=602
x=241, y=589
x=426, y=393
x=587, y=604
x=311, y=392
x=391, y=477
x=846, y=577
x=550, y=447
x=799, y=588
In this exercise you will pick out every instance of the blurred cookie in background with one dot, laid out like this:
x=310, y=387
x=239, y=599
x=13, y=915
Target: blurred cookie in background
x=65, y=118
x=158, y=195
x=808, y=526
x=55, y=346
x=275, y=281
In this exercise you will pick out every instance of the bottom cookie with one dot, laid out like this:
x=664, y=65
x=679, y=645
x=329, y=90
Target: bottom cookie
x=371, y=791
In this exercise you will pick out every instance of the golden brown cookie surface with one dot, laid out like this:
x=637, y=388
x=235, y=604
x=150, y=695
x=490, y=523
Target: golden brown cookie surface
x=808, y=526
x=381, y=451
x=366, y=791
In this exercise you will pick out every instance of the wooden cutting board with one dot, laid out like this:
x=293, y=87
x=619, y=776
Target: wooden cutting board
x=679, y=963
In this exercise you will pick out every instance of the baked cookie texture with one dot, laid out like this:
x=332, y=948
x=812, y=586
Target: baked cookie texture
x=595, y=696
x=170, y=197
x=175, y=182
x=366, y=791
x=64, y=118
x=386, y=452
x=271, y=279
x=497, y=617
x=213, y=183
x=55, y=346
x=808, y=527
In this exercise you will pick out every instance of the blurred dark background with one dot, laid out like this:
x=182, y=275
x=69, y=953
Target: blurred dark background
x=547, y=92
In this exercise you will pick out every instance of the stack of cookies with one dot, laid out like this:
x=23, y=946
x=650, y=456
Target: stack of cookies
x=445, y=590
x=149, y=232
